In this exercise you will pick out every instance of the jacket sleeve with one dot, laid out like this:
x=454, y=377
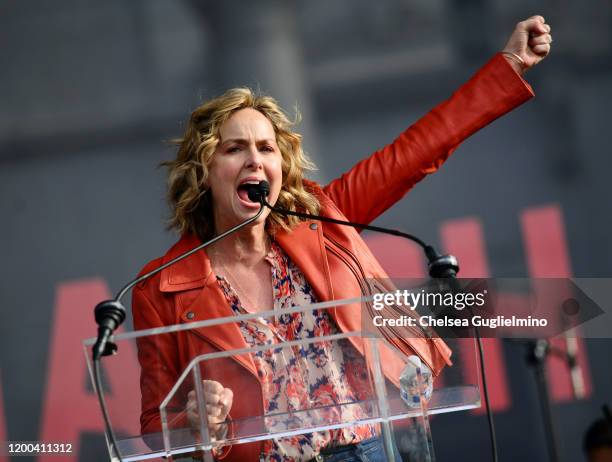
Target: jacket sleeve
x=158, y=358
x=421, y=149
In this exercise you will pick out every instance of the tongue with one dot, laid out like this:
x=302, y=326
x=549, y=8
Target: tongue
x=244, y=194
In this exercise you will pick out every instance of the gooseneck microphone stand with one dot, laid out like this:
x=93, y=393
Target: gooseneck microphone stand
x=110, y=314
x=439, y=266
x=536, y=353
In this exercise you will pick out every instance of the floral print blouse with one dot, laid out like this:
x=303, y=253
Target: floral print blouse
x=301, y=385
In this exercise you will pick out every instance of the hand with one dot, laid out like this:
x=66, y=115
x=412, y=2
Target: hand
x=531, y=41
x=218, y=404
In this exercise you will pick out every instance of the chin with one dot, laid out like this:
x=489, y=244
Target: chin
x=243, y=214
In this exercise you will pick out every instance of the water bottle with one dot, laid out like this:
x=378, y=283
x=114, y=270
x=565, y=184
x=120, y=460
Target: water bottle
x=409, y=389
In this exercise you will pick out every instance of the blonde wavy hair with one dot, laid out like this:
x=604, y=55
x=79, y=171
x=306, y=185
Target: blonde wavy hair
x=188, y=195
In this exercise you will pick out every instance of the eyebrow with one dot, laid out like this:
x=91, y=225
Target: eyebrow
x=245, y=141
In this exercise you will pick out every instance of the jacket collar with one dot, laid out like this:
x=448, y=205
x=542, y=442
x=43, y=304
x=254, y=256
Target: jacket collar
x=304, y=244
x=191, y=272
x=195, y=272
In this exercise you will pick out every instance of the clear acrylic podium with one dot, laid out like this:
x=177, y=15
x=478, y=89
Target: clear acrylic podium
x=155, y=388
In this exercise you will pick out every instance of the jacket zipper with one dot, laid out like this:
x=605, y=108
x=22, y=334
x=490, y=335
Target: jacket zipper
x=363, y=285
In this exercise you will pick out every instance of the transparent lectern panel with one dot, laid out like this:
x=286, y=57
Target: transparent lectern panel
x=437, y=307
x=457, y=387
x=295, y=378
x=292, y=399
x=120, y=378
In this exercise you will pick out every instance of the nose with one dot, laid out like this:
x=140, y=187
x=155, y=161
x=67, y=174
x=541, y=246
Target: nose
x=254, y=159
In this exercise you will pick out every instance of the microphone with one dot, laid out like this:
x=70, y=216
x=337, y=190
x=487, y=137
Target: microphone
x=442, y=268
x=110, y=314
x=439, y=266
x=258, y=192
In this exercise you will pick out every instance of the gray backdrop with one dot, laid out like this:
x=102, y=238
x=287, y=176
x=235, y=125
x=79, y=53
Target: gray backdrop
x=91, y=91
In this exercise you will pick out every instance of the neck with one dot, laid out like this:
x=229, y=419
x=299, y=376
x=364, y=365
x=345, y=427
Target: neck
x=248, y=246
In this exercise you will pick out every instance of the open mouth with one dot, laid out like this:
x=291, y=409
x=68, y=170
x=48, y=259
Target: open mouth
x=243, y=193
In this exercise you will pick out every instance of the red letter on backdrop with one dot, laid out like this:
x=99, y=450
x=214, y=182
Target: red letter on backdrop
x=465, y=240
x=69, y=408
x=399, y=258
x=548, y=257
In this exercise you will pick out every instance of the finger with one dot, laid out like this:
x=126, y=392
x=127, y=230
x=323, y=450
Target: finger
x=193, y=415
x=227, y=397
x=212, y=398
x=537, y=18
x=212, y=386
x=542, y=49
x=540, y=40
x=533, y=24
x=539, y=31
x=213, y=410
x=540, y=28
x=191, y=408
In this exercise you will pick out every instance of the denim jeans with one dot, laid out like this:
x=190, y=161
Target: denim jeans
x=370, y=450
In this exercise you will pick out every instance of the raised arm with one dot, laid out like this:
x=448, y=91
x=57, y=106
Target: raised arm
x=376, y=183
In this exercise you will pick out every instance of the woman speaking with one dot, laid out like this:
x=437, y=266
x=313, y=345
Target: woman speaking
x=241, y=138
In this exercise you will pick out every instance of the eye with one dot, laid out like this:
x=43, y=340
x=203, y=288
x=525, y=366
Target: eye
x=267, y=148
x=233, y=149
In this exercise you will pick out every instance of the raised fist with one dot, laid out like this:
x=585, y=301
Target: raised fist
x=530, y=42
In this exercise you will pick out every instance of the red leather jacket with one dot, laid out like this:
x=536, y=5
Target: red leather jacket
x=188, y=291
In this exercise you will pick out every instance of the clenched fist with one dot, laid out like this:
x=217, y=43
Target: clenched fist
x=218, y=404
x=530, y=41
